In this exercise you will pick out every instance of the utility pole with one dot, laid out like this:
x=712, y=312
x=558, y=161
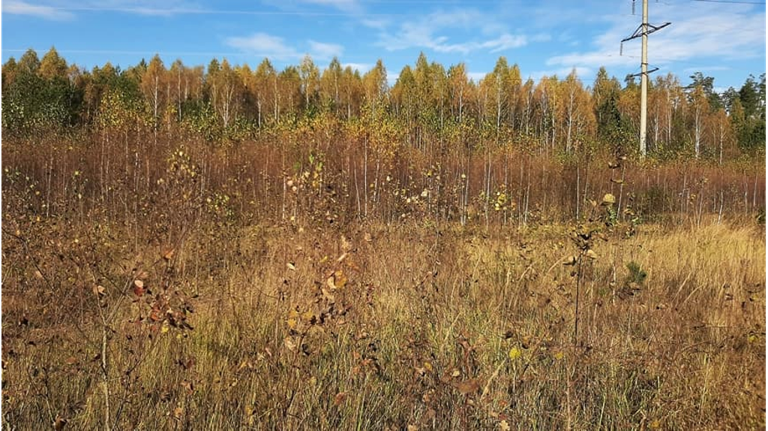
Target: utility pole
x=643, y=31
x=644, y=83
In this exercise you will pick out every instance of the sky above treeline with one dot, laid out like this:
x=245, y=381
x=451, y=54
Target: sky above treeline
x=724, y=39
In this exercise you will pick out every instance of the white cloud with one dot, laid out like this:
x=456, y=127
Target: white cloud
x=276, y=48
x=476, y=76
x=324, y=51
x=61, y=10
x=429, y=32
x=343, y=5
x=697, y=33
x=378, y=24
x=16, y=7
x=265, y=45
x=360, y=67
x=706, y=69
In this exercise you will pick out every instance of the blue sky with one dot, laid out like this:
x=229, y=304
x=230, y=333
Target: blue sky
x=720, y=38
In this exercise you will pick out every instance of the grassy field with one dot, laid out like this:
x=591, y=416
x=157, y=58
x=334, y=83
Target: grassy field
x=415, y=325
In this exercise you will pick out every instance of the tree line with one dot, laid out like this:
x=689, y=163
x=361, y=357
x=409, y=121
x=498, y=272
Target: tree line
x=427, y=101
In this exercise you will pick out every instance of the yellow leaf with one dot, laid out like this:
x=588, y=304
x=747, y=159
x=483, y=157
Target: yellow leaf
x=292, y=323
x=515, y=353
x=339, y=280
x=291, y=266
x=428, y=366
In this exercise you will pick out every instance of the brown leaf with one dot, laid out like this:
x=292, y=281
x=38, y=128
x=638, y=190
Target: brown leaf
x=168, y=254
x=339, y=398
x=468, y=386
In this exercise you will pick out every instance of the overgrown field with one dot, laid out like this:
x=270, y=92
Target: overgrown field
x=383, y=327
x=299, y=282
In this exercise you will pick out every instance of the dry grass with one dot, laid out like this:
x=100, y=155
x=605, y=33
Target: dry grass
x=182, y=284
x=423, y=325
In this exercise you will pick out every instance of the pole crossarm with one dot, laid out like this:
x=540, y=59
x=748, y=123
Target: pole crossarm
x=648, y=72
x=651, y=29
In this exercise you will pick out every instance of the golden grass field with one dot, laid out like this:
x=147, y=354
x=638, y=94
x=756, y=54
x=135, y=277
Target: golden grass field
x=408, y=326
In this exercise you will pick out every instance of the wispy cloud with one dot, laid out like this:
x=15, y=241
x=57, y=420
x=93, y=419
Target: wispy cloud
x=63, y=11
x=697, y=33
x=706, y=69
x=342, y=7
x=352, y=6
x=276, y=48
x=429, y=32
x=324, y=51
x=16, y=7
x=360, y=67
x=265, y=45
x=377, y=24
x=476, y=76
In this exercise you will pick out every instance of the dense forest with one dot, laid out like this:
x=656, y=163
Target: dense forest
x=427, y=101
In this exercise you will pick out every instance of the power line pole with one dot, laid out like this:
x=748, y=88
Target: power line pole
x=644, y=83
x=643, y=31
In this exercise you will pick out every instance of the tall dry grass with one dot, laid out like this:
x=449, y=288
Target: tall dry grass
x=373, y=326
x=297, y=282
